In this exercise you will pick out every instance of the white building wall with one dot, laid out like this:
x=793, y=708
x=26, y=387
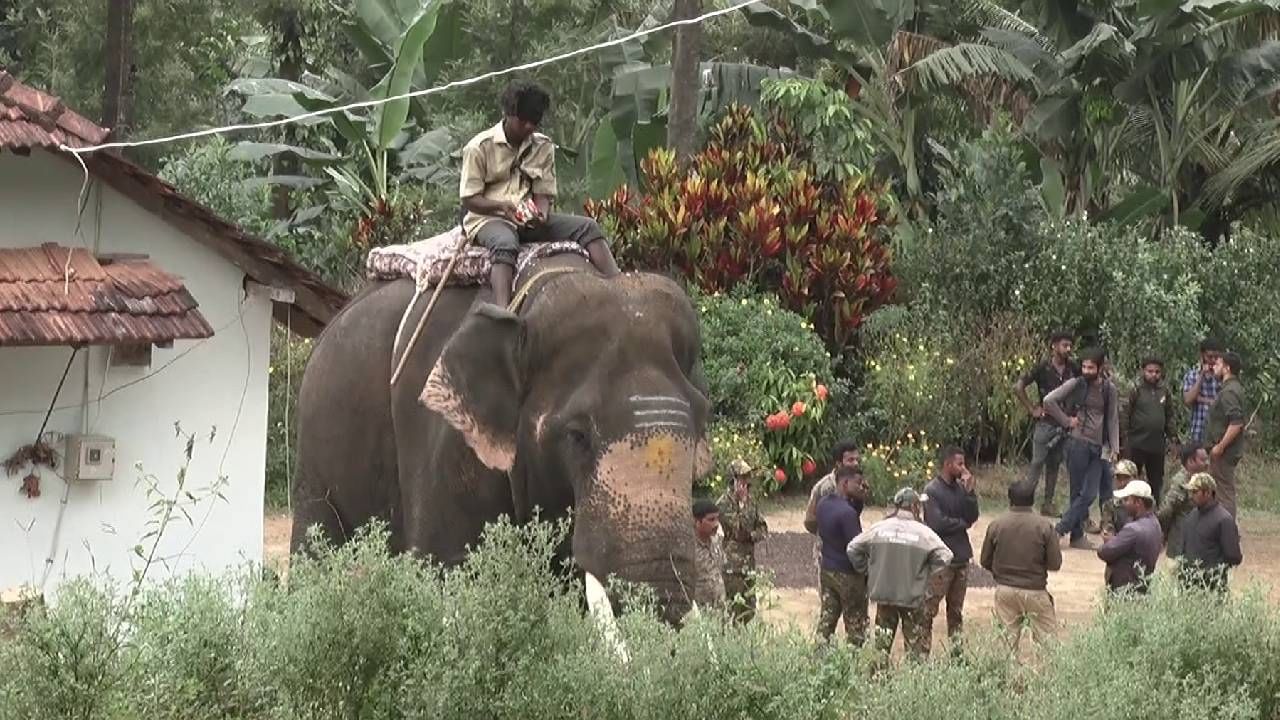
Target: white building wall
x=217, y=383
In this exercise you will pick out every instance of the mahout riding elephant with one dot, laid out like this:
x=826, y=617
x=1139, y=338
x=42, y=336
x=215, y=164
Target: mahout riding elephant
x=588, y=397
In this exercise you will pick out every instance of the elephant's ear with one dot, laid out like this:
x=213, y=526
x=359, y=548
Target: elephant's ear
x=475, y=384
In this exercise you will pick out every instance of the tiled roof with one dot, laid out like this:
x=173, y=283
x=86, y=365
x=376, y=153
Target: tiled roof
x=30, y=119
x=54, y=295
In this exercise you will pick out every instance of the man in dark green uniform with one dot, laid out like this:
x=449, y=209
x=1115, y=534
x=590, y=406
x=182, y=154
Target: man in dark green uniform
x=1149, y=424
x=1225, y=430
x=743, y=526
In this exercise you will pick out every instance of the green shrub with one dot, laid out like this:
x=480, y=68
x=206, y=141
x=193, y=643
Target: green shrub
x=359, y=634
x=932, y=373
x=760, y=360
x=731, y=441
x=977, y=254
x=206, y=172
x=1240, y=308
x=751, y=349
x=1197, y=657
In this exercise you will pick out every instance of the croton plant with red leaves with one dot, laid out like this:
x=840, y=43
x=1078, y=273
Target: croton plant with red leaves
x=748, y=208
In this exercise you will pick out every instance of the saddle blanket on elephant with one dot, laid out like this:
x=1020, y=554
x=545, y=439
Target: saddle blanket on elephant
x=425, y=261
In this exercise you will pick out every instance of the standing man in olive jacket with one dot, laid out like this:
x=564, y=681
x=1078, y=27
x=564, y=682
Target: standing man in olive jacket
x=950, y=509
x=1149, y=424
x=1224, y=432
x=1020, y=550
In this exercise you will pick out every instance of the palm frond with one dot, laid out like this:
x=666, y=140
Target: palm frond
x=1245, y=30
x=990, y=15
x=1259, y=152
x=950, y=66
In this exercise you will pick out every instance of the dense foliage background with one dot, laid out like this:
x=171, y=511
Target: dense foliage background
x=918, y=191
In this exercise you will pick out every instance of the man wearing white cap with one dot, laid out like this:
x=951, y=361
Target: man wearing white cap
x=1131, y=554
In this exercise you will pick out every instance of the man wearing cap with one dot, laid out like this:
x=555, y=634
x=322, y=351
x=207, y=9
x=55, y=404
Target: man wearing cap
x=1224, y=430
x=1177, y=502
x=1020, y=550
x=898, y=555
x=1210, y=538
x=1114, y=515
x=708, y=555
x=743, y=527
x=950, y=510
x=843, y=591
x=1131, y=554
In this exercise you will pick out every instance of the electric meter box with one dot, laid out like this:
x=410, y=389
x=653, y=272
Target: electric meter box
x=90, y=457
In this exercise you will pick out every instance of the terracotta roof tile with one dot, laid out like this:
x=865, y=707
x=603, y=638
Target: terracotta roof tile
x=30, y=119
x=53, y=295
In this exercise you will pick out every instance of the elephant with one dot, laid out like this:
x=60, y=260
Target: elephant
x=587, y=399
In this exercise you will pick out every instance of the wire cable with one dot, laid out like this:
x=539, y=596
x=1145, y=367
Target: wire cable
x=412, y=94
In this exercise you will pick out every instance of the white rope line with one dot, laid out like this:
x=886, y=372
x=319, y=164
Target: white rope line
x=413, y=94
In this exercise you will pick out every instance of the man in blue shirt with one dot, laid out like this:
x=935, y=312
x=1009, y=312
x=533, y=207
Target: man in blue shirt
x=843, y=591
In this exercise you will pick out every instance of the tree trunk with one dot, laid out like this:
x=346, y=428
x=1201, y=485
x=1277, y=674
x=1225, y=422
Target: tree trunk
x=117, y=104
x=682, y=118
x=290, y=65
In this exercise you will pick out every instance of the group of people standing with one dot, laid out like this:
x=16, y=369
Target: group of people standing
x=920, y=556
x=909, y=563
x=1080, y=420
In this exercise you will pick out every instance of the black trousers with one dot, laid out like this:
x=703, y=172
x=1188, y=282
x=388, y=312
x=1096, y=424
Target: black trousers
x=1151, y=465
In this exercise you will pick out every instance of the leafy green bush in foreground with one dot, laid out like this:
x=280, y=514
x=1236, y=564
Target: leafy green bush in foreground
x=358, y=634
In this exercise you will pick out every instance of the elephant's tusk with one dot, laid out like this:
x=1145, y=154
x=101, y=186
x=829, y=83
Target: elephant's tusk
x=599, y=606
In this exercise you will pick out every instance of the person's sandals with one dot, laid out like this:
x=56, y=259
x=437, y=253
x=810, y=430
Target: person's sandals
x=1092, y=527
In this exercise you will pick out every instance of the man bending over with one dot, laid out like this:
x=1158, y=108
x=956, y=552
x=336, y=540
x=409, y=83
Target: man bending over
x=507, y=186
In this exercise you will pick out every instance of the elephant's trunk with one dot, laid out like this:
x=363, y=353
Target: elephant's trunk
x=636, y=521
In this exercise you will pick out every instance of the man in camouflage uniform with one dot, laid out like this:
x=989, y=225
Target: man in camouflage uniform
x=1177, y=502
x=1114, y=516
x=845, y=454
x=743, y=527
x=708, y=555
x=842, y=590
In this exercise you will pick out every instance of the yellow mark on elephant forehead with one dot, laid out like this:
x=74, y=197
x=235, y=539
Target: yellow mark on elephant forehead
x=660, y=453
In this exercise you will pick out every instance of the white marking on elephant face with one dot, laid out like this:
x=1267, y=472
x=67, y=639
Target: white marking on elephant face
x=440, y=395
x=669, y=399
x=661, y=424
x=538, y=426
x=660, y=411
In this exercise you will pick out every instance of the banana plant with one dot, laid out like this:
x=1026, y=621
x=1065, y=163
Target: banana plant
x=405, y=45
x=637, y=122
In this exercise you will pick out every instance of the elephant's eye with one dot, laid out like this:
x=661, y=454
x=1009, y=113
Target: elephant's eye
x=579, y=439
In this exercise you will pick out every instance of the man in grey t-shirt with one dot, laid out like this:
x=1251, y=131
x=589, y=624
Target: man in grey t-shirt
x=1087, y=407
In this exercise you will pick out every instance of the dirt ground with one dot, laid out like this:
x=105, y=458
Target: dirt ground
x=794, y=600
